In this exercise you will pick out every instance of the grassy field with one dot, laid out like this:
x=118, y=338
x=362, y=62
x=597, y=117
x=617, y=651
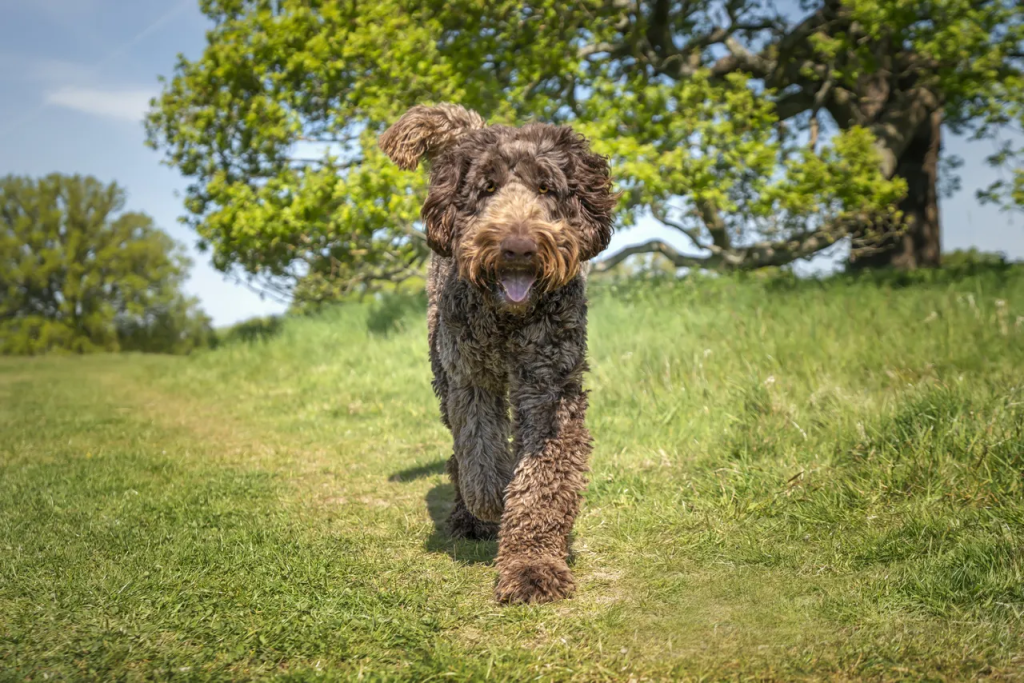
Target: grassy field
x=790, y=481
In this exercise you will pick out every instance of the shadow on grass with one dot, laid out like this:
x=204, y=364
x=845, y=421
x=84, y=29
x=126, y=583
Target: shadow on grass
x=440, y=500
x=251, y=331
x=418, y=472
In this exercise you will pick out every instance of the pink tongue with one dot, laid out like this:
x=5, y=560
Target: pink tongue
x=517, y=285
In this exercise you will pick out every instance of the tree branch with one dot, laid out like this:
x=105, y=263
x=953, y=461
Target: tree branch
x=792, y=104
x=677, y=258
x=752, y=257
x=694, y=235
x=715, y=224
x=767, y=254
x=612, y=49
x=742, y=59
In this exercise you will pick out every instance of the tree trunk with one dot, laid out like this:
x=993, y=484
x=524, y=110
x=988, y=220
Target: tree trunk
x=920, y=245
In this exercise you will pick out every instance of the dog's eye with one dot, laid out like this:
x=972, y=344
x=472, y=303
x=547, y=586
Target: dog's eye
x=542, y=188
x=490, y=187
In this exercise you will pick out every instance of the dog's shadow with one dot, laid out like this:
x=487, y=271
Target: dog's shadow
x=440, y=500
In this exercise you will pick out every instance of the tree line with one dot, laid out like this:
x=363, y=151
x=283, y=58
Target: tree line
x=759, y=134
x=78, y=273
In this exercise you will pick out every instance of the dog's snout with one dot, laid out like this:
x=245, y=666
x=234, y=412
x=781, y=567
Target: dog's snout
x=518, y=249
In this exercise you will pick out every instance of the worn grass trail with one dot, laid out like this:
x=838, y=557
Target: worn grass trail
x=790, y=481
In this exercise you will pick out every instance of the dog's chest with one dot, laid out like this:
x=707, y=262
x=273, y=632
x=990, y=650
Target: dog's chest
x=480, y=347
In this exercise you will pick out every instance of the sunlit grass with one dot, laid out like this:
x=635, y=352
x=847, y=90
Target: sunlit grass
x=790, y=480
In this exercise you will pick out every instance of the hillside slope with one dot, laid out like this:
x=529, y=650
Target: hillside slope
x=790, y=480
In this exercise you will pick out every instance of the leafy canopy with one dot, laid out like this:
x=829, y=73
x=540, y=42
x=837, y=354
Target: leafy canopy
x=77, y=273
x=701, y=105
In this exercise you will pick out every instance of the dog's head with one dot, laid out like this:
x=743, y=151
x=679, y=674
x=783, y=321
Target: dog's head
x=518, y=208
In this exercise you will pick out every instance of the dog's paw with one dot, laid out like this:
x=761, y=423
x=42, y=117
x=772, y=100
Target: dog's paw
x=462, y=524
x=534, y=580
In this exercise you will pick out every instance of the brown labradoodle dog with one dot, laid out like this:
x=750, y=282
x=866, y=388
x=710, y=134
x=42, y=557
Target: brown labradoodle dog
x=512, y=216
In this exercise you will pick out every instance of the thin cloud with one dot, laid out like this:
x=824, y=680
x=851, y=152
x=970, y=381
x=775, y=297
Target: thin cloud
x=60, y=71
x=120, y=104
x=25, y=69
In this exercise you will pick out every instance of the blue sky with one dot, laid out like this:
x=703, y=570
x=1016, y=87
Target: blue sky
x=76, y=76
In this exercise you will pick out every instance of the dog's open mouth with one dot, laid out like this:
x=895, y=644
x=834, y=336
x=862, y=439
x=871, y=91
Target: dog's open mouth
x=517, y=284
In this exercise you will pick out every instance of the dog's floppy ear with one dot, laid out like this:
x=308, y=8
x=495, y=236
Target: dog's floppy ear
x=426, y=132
x=439, y=212
x=591, y=186
x=430, y=132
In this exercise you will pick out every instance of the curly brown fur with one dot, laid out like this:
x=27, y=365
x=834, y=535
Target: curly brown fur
x=512, y=215
x=424, y=131
x=558, y=245
x=461, y=522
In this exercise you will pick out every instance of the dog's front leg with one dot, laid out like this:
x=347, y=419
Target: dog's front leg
x=542, y=501
x=480, y=427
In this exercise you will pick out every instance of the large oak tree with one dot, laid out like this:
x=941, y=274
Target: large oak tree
x=761, y=135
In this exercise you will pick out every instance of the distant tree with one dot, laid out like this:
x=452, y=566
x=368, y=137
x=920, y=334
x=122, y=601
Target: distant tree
x=761, y=136
x=79, y=274
x=176, y=326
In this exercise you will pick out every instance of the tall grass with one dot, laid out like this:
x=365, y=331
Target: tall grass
x=790, y=480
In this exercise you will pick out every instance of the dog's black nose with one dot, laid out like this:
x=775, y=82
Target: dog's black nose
x=518, y=249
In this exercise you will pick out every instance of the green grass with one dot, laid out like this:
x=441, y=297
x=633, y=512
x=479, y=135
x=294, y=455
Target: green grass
x=790, y=481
